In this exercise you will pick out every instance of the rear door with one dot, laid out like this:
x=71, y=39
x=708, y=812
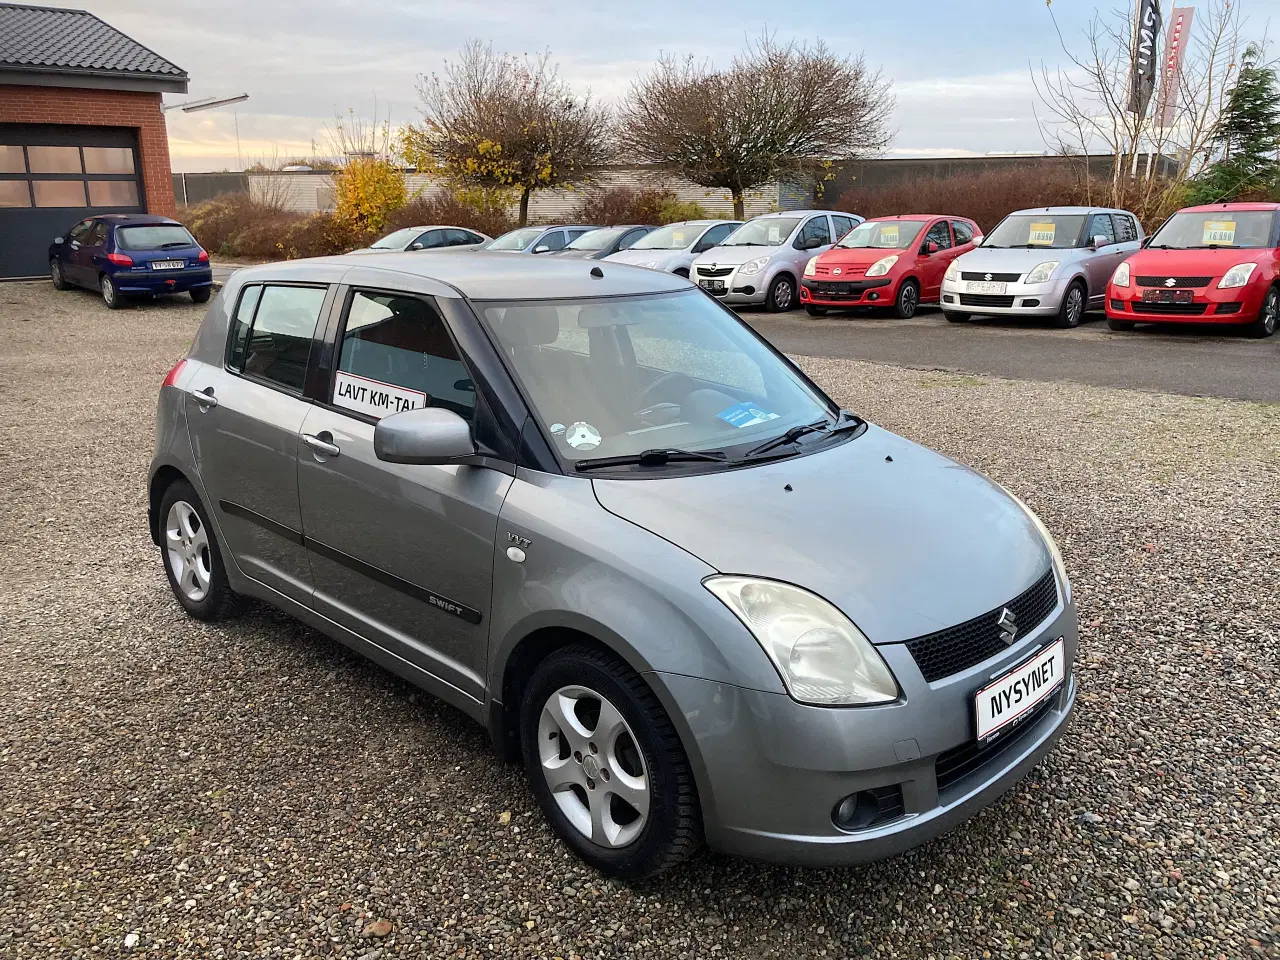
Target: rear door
x=1100, y=264
x=245, y=417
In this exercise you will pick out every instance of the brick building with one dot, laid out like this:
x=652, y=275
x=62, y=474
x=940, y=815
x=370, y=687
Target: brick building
x=81, y=128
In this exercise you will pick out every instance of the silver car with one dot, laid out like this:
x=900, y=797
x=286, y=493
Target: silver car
x=762, y=261
x=538, y=239
x=1047, y=262
x=673, y=247
x=437, y=237
x=593, y=510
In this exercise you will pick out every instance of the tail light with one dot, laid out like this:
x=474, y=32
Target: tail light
x=120, y=259
x=204, y=256
x=171, y=378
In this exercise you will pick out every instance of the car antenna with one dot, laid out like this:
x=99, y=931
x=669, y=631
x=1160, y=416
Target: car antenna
x=597, y=272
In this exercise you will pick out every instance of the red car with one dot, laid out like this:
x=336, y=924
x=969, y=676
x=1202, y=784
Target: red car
x=1210, y=264
x=893, y=262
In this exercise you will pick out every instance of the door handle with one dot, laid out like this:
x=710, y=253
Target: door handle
x=322, y=443
x=206, y=399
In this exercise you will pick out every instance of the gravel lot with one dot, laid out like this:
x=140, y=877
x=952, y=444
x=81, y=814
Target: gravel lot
x=171, y=789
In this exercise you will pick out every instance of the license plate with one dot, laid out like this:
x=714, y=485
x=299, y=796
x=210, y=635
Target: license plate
x=1003, y=701
x=712, y=286
x=1168, y=296
x=168, y=264
x=979, y=286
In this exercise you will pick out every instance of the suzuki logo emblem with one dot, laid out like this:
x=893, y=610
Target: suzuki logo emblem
x=1171, y=282
x=1008, y=624
x=986, y=276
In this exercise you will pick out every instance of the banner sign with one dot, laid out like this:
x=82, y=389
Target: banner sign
x=1175, y=42
x=1142, y=81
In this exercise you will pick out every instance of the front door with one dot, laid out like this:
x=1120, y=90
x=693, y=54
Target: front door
x=91, y=254
x=402, y=554
x=72, y=262
x=244, y=422
x=930, y=266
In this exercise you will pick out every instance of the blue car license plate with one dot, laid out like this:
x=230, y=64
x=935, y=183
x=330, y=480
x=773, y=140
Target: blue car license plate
x=168, y=264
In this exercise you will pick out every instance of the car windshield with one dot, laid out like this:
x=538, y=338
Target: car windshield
x=617, y=377
x=398, y=240
x=597, y=239
x=1243, y=229
x=884, y=234
x=516, y=239
x=674, y=236
x=1031, y=230
x=155, y=237
x=765, y=232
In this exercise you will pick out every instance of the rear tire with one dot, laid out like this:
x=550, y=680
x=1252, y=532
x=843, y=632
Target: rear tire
x=908, y=300
x=192, y=558
x=1265, y=325
x=110, y=295
x=640, y=756
x=782, y=294
x=813, y=311
x=1074, y=303
x=954, y=316
x=55, y=274
x=1121, y=325
x=201, y=294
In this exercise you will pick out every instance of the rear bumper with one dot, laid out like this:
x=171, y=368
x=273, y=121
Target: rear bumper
x=1208, y=305
x=156, y=282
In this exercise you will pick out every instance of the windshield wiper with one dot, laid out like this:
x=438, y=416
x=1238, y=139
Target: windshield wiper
x=175, y=243
x=795, y=433
x=657, y=457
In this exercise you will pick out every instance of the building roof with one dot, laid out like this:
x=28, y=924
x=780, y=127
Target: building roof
x=54, y=46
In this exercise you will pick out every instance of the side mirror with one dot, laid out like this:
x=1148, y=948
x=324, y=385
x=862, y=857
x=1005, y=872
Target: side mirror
x=931, y=247
x=415, y=245
x=429, y=435
x=977, y=241
x=541, y=248
x=58, y=240
x=1098, y=241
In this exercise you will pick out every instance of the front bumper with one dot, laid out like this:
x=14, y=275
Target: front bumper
x=740, y=290
x=771, y=771
x=831, y=292
x=1208, y=305
x=163, y=281
x=1018, y=300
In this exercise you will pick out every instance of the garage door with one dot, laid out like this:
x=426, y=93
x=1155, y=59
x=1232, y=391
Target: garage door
x=52, y=176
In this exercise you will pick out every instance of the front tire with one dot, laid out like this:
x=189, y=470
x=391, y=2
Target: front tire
x=782, y=294
x=56, y=275
x=606, y=765
x=907, y=301
x=1265, y=325
x=110, y=295
x=201, y=294
x=1071, y=311
x=1120, y=325
x=192, y=558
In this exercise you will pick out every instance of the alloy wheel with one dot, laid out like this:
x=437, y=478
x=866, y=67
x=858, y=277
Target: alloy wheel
x=1075, y=306
x=55, y=272
x=1270, y=310
x=908, y=300
x=593, y=766
x=187, y=547
x=108, y=292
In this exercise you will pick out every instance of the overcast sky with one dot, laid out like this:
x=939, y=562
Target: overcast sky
x=960, y=70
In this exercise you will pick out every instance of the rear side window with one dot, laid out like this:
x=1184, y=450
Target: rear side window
x=843, y=225
x=272, y=333
x=396, y=355
x=1126, y=229
x=461, y=238
x=963, y=232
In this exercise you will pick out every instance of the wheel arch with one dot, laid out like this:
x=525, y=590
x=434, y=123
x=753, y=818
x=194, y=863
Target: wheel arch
x=165, y=476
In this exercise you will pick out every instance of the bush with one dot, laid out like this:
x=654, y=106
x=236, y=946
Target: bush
x=235, y=225
x=367, y=190
x=635, y=205
x=493, y=219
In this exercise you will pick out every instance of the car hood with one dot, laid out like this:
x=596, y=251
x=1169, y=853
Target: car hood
x=575, y=254
x=733, y=256
x=903, y=540
x=857, y=256
x=643, y=256
x=1184, y=263
x=1016, y=260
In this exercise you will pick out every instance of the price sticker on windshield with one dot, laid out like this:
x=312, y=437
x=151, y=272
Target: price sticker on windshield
x=678, y=238
x=775, y=236
x=889, y=236
x=1219, y=231
x=1042, y=233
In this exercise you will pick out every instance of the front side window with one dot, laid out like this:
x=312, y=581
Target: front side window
x=816, y=233
x=396, y=355
x=764, y=232
x=630, y=239
x=940, y=234
x=712, y=238
x=1240, y=229
x=883, y=234
x=617, y=377
x=1100, y=226
x=158, y=237
x=552, y=241
x=97, y=236
x=1058, y=231
x=81, y=230
x=273, y=332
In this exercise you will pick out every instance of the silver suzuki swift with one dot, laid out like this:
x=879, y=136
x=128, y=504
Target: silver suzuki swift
x=593, y=510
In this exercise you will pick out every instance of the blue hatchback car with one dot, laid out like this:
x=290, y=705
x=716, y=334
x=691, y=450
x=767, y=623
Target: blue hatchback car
x=126, y=254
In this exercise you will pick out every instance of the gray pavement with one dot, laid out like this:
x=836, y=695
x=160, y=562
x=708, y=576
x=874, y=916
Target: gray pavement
x=1194, y=361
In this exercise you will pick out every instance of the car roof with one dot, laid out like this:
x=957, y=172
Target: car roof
x=135, y=219
x=437, y=226
x=1258, y=206
x=479, y=275
x=1068, y=210
x=921, y=216
x=795, y=213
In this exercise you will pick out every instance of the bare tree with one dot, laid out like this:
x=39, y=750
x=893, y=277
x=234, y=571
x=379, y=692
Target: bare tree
x=779, y=110
x=1085, y=107
x=506, y=123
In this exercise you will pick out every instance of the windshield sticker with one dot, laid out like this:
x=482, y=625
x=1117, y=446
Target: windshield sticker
x=889, y=236
x=373, y=397
x=1042, y=233
x=1219, y=231
x=557, y=428
x=582, y=436
x=746, y=415
x=677, y=238
x=775, y=236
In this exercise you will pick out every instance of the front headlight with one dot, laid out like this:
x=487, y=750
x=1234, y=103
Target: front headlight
x=1041, y=271
x=1055, y=555
x=811, y=268
x=822, y=657
x=882, y=266
x=953, y=271
x=1237, y=276
x=1121, y=277
x=752, y=267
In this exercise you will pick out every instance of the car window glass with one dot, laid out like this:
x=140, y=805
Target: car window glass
x=396, y=355
x=432, y=238
x=631, y=238
x=279, y=337
x=461, y=238
x=963, y=232
x=80, y=230
x=575, y=234
x=715, y=236
x=843, y=224
x=939, y=234
x=1058, y=231
x=1126, y=230
x=155, y=237
x=240, y=325
x=553, y=240
x=97, y=236
x=815, y=232
x=1100, y=226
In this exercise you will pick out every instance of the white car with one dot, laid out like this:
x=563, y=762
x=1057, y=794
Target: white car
x=762, y=261
x=673, y=247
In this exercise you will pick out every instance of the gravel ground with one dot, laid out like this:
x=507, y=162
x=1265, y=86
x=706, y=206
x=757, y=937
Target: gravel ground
x=173, y=789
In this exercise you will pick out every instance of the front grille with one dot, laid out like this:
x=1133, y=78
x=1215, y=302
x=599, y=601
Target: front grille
x=956, y=764
x=1177, y=281
x=714, y=272
x=958, y=648
x=1185, y=309
x=991, y=277
x=823, y=269
x=985, y=300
